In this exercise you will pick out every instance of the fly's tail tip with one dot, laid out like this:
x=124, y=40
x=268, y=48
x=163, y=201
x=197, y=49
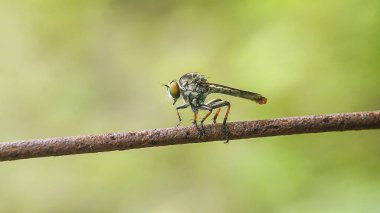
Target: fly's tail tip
x=262, y=100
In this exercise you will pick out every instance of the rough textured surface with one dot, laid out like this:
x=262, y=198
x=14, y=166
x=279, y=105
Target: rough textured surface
x=182, y=135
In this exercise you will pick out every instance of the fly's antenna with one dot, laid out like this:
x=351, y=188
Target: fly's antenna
x=165, y=85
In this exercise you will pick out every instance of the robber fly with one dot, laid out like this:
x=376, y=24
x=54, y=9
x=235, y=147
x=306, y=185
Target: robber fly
x=194, y=88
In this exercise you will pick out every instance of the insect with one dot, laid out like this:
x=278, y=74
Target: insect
x=194, y=88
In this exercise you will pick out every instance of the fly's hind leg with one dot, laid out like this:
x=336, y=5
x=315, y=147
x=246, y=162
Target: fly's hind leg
x=216, y=115
x=208, y=107
x=218, y=105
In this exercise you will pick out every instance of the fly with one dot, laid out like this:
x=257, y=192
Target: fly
x=194, y=88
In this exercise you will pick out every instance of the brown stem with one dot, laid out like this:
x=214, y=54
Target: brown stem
x=182, y=135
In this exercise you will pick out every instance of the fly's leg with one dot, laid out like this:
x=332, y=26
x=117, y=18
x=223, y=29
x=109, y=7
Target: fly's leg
x=201, y=133
x=207, y=107
x=226, y=130
x=213, y=101
x=179, y=116
x=227, y=113
x=203, y=120
x=216, y=115
x=195, y=110
x=219, y=105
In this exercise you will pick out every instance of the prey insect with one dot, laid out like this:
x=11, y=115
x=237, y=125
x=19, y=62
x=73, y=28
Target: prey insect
x=194, y=88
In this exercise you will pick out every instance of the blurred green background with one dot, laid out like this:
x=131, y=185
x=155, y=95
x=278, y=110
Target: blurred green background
x=90, y=67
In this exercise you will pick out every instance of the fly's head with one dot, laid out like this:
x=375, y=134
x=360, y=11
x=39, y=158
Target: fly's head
x=173, y=90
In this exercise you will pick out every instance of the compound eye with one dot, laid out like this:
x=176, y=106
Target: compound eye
x=174, y=89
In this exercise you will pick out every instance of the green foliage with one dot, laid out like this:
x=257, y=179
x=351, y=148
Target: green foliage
x=88, y=67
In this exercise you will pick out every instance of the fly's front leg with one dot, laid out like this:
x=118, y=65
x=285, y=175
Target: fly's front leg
x=179, y=116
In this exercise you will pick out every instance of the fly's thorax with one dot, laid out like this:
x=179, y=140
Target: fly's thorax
x=194, y=102
x=194, y=89
x=196, y=98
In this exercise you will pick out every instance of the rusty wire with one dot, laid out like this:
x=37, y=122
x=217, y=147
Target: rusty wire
x=182, y=135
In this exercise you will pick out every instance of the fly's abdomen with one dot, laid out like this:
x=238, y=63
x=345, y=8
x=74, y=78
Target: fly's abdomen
x=216, y=88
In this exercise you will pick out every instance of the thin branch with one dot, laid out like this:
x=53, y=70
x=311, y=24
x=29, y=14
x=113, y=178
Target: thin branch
x=182, y=135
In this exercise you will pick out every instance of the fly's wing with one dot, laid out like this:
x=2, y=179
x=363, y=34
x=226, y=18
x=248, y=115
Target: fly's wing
x=217, y=88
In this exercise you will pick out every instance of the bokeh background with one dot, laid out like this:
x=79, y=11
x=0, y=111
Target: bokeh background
x=90, y=67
